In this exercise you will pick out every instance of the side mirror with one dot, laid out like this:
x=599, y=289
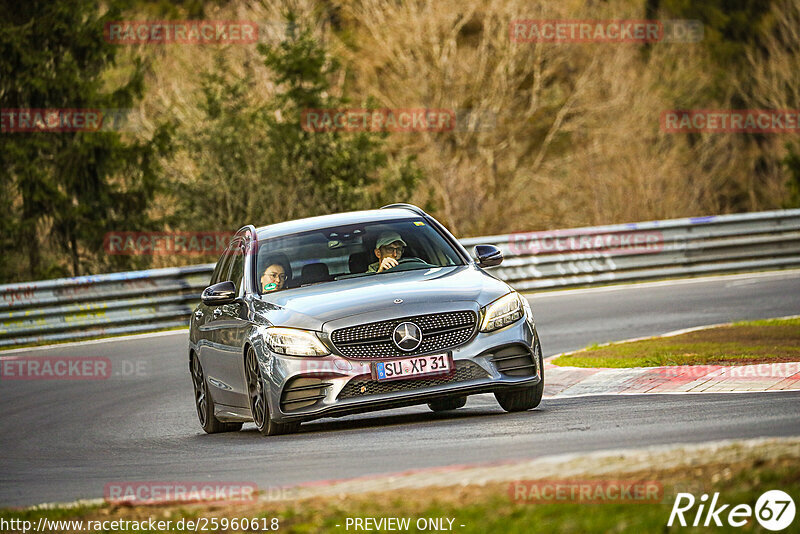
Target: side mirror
x=222, y=293
x=488, y=255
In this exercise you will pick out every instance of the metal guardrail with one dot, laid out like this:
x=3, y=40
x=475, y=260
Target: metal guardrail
x=140, y=301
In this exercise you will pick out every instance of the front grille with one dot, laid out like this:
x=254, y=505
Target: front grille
x=440, y=331
x=514, y=360
x=302, y=392
x=362, y=386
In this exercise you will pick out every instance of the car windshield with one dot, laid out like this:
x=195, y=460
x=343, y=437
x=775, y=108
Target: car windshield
x=335, y=253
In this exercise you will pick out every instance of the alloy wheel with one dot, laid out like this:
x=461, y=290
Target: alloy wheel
x=255, y=388
x=199, y=391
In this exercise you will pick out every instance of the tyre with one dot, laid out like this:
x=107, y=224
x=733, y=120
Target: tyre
x=527, y=398
x=258, y=400
x=443, y=405
x=205, y=404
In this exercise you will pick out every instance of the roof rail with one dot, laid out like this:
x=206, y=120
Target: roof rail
x=412, y=207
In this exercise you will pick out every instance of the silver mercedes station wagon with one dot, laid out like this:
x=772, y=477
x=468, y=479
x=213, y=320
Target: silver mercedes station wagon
x=347, y=313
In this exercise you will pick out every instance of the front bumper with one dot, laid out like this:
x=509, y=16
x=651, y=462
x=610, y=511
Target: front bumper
x=303, y=389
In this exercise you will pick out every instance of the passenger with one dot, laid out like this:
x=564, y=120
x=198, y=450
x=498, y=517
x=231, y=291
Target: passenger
x=389, y=248
x=274, y=278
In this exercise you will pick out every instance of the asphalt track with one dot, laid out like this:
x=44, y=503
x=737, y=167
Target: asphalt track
x=63, y=440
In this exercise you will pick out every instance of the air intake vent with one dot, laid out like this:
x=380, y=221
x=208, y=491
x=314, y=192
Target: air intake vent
x=515, y=360
x=302, y=392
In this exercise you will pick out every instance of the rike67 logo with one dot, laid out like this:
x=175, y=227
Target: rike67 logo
x=774, y=510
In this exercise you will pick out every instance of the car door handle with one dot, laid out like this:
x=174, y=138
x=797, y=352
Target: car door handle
x=217, y=312
x=198, y=315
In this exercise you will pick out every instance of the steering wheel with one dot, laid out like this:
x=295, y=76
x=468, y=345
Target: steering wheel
x=408, y=264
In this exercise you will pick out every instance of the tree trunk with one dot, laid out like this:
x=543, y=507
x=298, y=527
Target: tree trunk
x=28, y=235
x=73, y=251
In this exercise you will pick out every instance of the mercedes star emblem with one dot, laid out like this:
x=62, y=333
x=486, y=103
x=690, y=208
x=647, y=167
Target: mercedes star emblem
x=407, y=336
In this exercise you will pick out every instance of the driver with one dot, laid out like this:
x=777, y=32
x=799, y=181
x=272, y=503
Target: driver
x=388, y=249
x=274, y=278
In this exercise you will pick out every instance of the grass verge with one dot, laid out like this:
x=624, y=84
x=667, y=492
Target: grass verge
x=764, y=341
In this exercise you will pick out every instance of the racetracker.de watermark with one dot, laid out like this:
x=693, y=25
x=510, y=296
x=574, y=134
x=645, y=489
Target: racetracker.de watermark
x=586, y=491
x=161, y=32
x=605, y=31
x=166, y=243
x=333, y=366
x=378, y=120
x=61, y=120
x=756, y=371
x=54, y=368
x=565, y=241
x=155, y=492
x=731, y=121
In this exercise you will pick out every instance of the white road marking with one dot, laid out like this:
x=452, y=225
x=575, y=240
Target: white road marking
x=633, y=394
x=786, y=273
x=182, y=331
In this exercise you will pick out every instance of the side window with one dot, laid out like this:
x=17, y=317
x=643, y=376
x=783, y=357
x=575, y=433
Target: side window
x=223, y=265
x=237, y=267
x=215, y=274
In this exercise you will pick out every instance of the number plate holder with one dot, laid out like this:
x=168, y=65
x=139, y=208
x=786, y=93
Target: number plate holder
x=414, y=367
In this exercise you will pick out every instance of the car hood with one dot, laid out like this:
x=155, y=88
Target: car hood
x=373, y=297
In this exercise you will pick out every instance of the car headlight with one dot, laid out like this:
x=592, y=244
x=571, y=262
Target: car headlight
x=502, y=312
x=294, y=342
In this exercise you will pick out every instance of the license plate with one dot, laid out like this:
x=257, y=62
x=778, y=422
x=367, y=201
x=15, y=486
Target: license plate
x=435, y=364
